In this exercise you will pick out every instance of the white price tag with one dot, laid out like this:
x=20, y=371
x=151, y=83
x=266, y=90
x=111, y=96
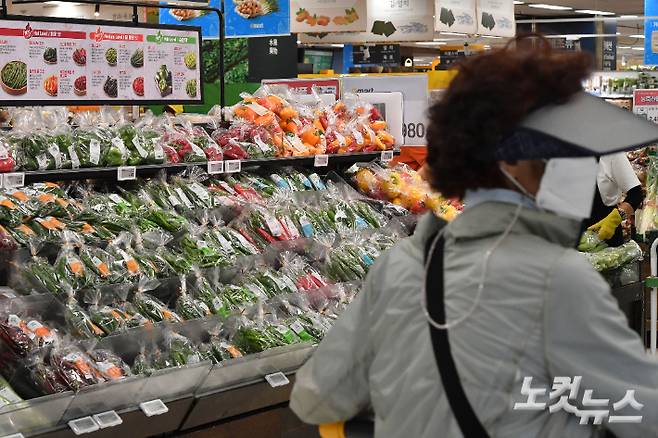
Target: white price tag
x=108, y=419
x=321, y=161
x=215, y=167
x=94, y=151
x=12, y=180
x=232, y=166
x=386, y=156
x=277, y=379
x=126, y=173
x=258, y=109
x=153, y=408
x=83, y=425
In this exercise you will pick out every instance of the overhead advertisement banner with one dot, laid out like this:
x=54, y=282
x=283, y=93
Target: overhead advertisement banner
x=207, y=20
x=388, y=21
x=328, y=16
x=650, y=33
x=456, y=16
x=57, y=63
x=253, y=18
x=496, y=18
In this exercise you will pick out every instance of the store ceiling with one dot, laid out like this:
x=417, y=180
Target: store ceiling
x=619, y=7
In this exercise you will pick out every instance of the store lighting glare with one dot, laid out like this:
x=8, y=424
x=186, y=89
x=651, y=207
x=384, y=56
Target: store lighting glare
x=593, y=12
x=453, y=33
x=340, y=46
x=624, y=47
x=629, y=16
x=550, y=7
x=431, y=43
x=97, y=10
x=639, y=35
x=638, y=48
x=518, y=3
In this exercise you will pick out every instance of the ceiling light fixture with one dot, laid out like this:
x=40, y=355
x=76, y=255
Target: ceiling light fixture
x=638, y=48
x=629, y=16
x=550, y=7
x=636, y=36
x=624, y=47
x=97, y=10
x=593, y=12
x=518, y=2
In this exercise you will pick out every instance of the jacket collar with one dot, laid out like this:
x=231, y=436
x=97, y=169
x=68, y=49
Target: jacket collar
x=491, y=218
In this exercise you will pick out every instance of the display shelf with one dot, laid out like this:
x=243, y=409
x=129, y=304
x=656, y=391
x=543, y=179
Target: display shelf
x=628, y=294
x=145, y=171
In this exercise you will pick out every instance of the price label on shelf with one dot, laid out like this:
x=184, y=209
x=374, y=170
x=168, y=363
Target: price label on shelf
x=107, y=419
x=153, y=408
x=232, y=166
x=321, y=161
x=277, y=379
x=126, y=173
x=215, y=167
x=386, y=156
x=83, y=425
x=13, y=180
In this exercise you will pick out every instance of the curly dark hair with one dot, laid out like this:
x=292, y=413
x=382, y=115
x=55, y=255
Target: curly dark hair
x=491, y=94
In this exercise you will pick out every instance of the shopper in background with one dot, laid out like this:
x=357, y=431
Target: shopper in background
x=619, y=194
x=519, y=301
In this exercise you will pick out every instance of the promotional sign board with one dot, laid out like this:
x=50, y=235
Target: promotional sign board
x=414, y=89
x=206, y=20
x=388, y=21
x=272, y=57
x=650, y=33
x=53, y=63
x=645, y=103
x=328, y=16
x=496, y=18
x=455, y=16
x=305, y=86
x=251, y=18
x=380, y=54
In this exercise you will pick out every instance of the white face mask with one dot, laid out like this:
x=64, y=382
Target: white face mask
x=567, y=187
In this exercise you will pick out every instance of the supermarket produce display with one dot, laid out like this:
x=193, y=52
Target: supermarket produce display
x=223, y=268
x=262, y=127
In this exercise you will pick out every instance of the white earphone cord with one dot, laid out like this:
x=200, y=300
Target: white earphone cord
x=485, y=265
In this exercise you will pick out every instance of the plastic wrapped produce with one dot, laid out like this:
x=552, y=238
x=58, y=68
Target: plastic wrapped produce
x=75, y=367
x=612, y=258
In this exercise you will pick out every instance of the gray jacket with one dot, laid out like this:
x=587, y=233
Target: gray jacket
x=544, y=313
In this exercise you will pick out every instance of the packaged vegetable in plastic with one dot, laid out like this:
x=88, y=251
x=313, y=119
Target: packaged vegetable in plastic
x=109, y=365
x=181, y=350
x=123, y=260
x=590, y=242
x=69, y=266
x=188, y=306
x=202, y=290
x=75, y=367
x=149, y=306
x=79, y=320
x=206, y=143
x=108, y=318
x=7, y=156
x=187, y=151
x=45, y=378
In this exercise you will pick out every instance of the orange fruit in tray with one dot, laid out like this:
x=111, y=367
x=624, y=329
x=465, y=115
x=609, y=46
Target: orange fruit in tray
x=302, y=15
x=323, y=20
x=340, y=21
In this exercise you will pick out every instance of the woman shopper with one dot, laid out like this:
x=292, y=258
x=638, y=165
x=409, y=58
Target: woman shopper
x=515, y=137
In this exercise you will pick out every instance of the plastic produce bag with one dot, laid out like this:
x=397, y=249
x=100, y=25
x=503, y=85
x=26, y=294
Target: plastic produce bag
x=188, y=306
x=75, y=367
x=149, y=306
x=109, y=365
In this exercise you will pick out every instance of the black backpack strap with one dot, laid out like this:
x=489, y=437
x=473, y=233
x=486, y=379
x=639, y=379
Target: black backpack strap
x=434, y=289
